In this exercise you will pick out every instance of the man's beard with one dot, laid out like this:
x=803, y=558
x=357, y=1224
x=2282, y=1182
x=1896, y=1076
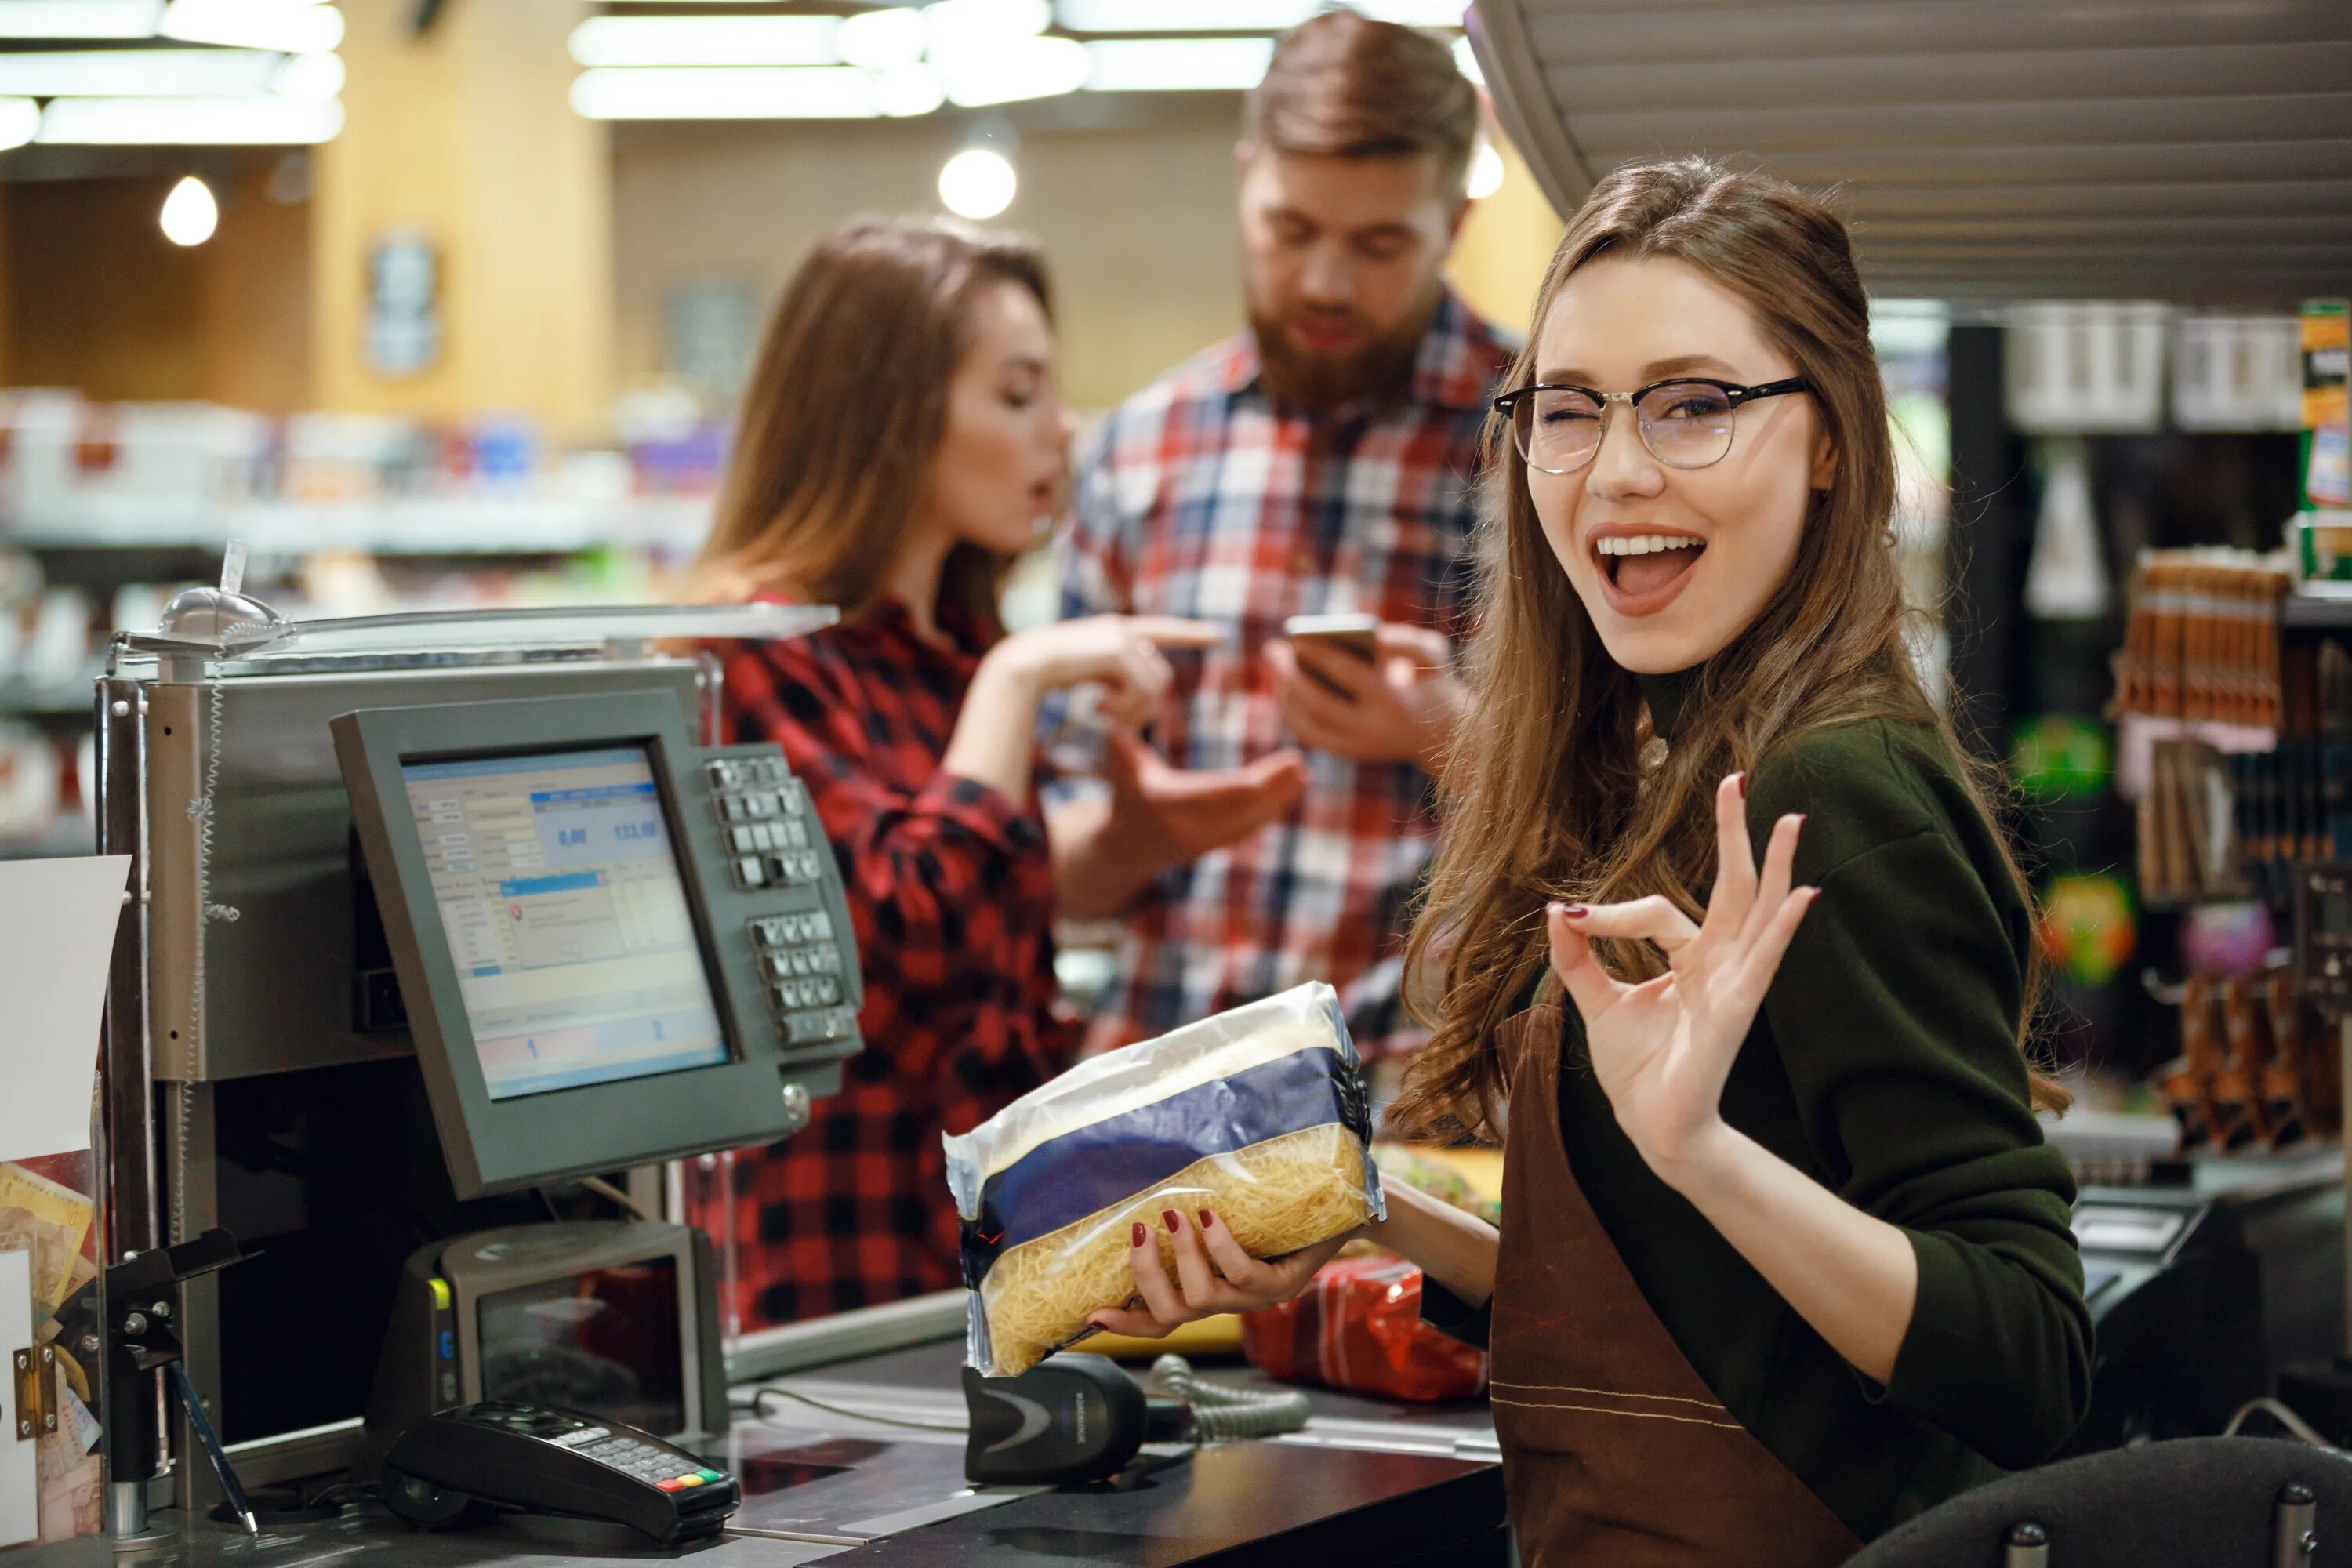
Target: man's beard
x=1378, y=372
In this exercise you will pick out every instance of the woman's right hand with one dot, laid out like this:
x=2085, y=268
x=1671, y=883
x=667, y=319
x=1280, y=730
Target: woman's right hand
x=1119, y=653
x=1214, y=1275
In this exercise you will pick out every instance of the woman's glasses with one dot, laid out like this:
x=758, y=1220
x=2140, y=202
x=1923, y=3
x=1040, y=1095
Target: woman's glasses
x=1685, y=424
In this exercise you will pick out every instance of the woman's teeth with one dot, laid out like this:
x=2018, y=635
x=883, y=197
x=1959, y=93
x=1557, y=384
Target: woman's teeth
x=1645, y=544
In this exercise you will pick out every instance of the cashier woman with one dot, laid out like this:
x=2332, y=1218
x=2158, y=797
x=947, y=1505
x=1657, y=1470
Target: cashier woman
x=900, y=442
x=1783, y=1257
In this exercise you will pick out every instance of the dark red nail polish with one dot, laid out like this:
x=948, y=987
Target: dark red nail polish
x=1173, y=1223
x=1574, y=912
x=1207, y=1219
x=1743, y=786
x=1138, y=1240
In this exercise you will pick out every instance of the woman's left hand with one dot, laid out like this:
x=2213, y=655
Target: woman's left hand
x=1661, y=1049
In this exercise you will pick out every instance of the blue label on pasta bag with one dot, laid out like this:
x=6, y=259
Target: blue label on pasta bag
x=1064, y=1179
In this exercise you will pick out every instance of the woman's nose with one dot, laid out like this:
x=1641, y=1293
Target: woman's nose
x=1624, y=466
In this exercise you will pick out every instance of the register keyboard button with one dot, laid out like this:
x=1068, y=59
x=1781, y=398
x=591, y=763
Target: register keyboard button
x=750, y=873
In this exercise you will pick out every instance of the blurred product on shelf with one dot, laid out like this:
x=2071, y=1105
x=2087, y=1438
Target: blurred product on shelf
x=2256, y=1066
x=2327, y=403
x=2087, y=925
x=2320, y=544
x=2202, y=640
x=75, y=473
x=1357, y=1327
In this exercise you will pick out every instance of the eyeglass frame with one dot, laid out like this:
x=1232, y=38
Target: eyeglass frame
x=1506, y=405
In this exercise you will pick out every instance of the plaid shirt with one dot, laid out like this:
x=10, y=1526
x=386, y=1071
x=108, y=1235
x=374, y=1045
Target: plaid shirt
x=1203, y=498
x=951, y=891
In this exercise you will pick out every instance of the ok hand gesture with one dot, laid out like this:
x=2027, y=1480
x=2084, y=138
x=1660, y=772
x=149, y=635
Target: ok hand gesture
x=1661, y=1049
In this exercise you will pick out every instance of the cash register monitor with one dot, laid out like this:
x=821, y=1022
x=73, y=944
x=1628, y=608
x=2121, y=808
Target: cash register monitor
x=589, y=979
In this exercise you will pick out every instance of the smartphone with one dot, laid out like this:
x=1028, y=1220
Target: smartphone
x=1358, y=635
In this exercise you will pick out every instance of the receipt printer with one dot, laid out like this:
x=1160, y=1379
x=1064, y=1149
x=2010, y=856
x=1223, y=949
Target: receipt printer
x=615, y=1318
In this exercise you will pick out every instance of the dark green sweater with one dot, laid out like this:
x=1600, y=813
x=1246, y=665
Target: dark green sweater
x=1884, y=1065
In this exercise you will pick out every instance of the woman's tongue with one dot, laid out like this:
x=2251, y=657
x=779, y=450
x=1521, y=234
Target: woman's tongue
x=1639, y=575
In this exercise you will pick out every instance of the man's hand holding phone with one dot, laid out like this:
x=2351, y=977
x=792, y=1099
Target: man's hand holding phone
x=1376, y=691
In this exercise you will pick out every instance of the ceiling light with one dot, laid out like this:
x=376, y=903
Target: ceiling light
x=956, y=25
x=906, y=91
x=295, y=26
x=706, y=41
x=1485, y=171
x=1191, y=17
x=880, y=41
x=189, y=122
x=79, y=18
x=1466, y=60
x=977, y=184
x=759, y=92
x=314, y=78
x=1177, y=65
x=137, y=73
x=190, y=214
x=20, y=121
x=1010, y=69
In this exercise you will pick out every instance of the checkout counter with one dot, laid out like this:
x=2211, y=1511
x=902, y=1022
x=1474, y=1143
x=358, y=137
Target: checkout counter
x=455, y=934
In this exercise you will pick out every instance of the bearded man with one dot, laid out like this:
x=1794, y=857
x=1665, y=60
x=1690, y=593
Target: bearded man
x=1318, y=463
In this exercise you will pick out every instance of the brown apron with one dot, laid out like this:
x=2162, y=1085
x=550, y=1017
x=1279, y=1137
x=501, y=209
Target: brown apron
x=1615, y=1451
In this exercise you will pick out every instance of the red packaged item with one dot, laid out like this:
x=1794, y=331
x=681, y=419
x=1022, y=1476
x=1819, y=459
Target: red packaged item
x=1357, y=1327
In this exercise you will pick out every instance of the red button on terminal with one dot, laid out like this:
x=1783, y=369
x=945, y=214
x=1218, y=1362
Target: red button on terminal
x=675, y=1483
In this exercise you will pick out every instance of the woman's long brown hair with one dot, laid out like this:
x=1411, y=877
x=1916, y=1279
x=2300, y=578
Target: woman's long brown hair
x=1555, y=789
x=845, y=409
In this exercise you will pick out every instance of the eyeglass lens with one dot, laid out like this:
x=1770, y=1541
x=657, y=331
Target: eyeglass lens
x=1685, y=425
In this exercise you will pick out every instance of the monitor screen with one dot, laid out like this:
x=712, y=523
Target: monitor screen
x=566, y=918
x=606, y=1340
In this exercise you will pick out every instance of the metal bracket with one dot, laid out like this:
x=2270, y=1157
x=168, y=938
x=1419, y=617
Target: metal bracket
x=36, y=1372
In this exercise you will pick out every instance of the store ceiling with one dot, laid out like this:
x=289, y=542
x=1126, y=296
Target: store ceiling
x=2185, y=150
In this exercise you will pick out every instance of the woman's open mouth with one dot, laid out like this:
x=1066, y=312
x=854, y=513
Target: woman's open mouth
x=1643, y=573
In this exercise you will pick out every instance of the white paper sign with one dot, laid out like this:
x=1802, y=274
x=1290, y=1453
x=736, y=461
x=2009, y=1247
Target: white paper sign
x=58, y=920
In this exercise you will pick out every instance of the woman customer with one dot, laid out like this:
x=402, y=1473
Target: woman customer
x=1784, y=1259
x=901, y=442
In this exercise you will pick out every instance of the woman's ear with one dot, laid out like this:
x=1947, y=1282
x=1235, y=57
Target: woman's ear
x=1825, y=461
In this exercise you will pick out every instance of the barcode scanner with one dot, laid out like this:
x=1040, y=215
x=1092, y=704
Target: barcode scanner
x=1072, y=1417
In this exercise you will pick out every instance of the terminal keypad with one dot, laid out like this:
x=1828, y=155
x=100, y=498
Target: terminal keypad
x=776, y=848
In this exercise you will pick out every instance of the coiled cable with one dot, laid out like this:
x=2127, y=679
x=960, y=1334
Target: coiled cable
x=1221, y=1413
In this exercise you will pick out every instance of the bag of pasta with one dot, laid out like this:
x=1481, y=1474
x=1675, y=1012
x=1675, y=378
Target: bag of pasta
x=1258, y=1113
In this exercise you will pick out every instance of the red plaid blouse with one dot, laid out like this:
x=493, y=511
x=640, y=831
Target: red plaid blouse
x=951, y=892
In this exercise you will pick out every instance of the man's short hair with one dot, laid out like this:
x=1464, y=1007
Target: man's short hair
x=1341, y=84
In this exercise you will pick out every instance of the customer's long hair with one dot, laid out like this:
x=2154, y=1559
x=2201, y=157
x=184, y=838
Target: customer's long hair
x=1557, y=789
x=844, y=411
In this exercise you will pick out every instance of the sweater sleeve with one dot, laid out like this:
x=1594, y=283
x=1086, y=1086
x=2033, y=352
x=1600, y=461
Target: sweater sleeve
x=1894, y=1013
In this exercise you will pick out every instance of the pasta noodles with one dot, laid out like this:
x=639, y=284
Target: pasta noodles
x=1258, y=1113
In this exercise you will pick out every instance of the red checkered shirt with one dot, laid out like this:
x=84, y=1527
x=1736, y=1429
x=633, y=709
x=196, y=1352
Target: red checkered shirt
x=950, y=891
x=1203, y=498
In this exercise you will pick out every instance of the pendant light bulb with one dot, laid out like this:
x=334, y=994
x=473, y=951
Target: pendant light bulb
x=190, y=214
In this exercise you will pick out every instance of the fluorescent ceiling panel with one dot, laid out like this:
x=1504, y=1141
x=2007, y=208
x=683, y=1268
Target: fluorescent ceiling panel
x=754, y=92
x=295, y=26
x=1011, y=70
x=139, y=73
x=1177, y=65
x=706, y=41
x=190, y=122
x=79, y=18
x=1241, y=16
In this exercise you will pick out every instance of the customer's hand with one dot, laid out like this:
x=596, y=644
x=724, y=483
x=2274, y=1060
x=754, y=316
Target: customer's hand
x=1214, y=1275
x=1166, y=815
x=1401, y=707
x=1119, y=653
x=1663, y=1049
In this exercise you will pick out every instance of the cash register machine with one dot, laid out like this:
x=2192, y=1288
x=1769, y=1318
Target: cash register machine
x=440, y=916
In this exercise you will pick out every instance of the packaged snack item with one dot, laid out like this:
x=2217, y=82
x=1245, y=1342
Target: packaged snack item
x=1357, y=1328
x=1258, y=1114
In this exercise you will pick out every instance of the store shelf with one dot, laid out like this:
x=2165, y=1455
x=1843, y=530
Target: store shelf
x=2315, y=612
x=69, y=835
x=72, y=698
x=488, y=525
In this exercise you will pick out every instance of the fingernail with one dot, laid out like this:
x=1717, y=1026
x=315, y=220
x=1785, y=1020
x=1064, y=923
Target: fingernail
x=1208, y=1220
x=1743, y=786
x=1574, y=912
x=1174, y=1223
x=1138, y=1239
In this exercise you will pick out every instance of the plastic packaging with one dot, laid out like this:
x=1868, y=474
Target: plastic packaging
x=1259, y=1114
x=1357, y=1328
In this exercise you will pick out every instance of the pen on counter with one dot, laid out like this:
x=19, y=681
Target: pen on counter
x=203, y=1425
